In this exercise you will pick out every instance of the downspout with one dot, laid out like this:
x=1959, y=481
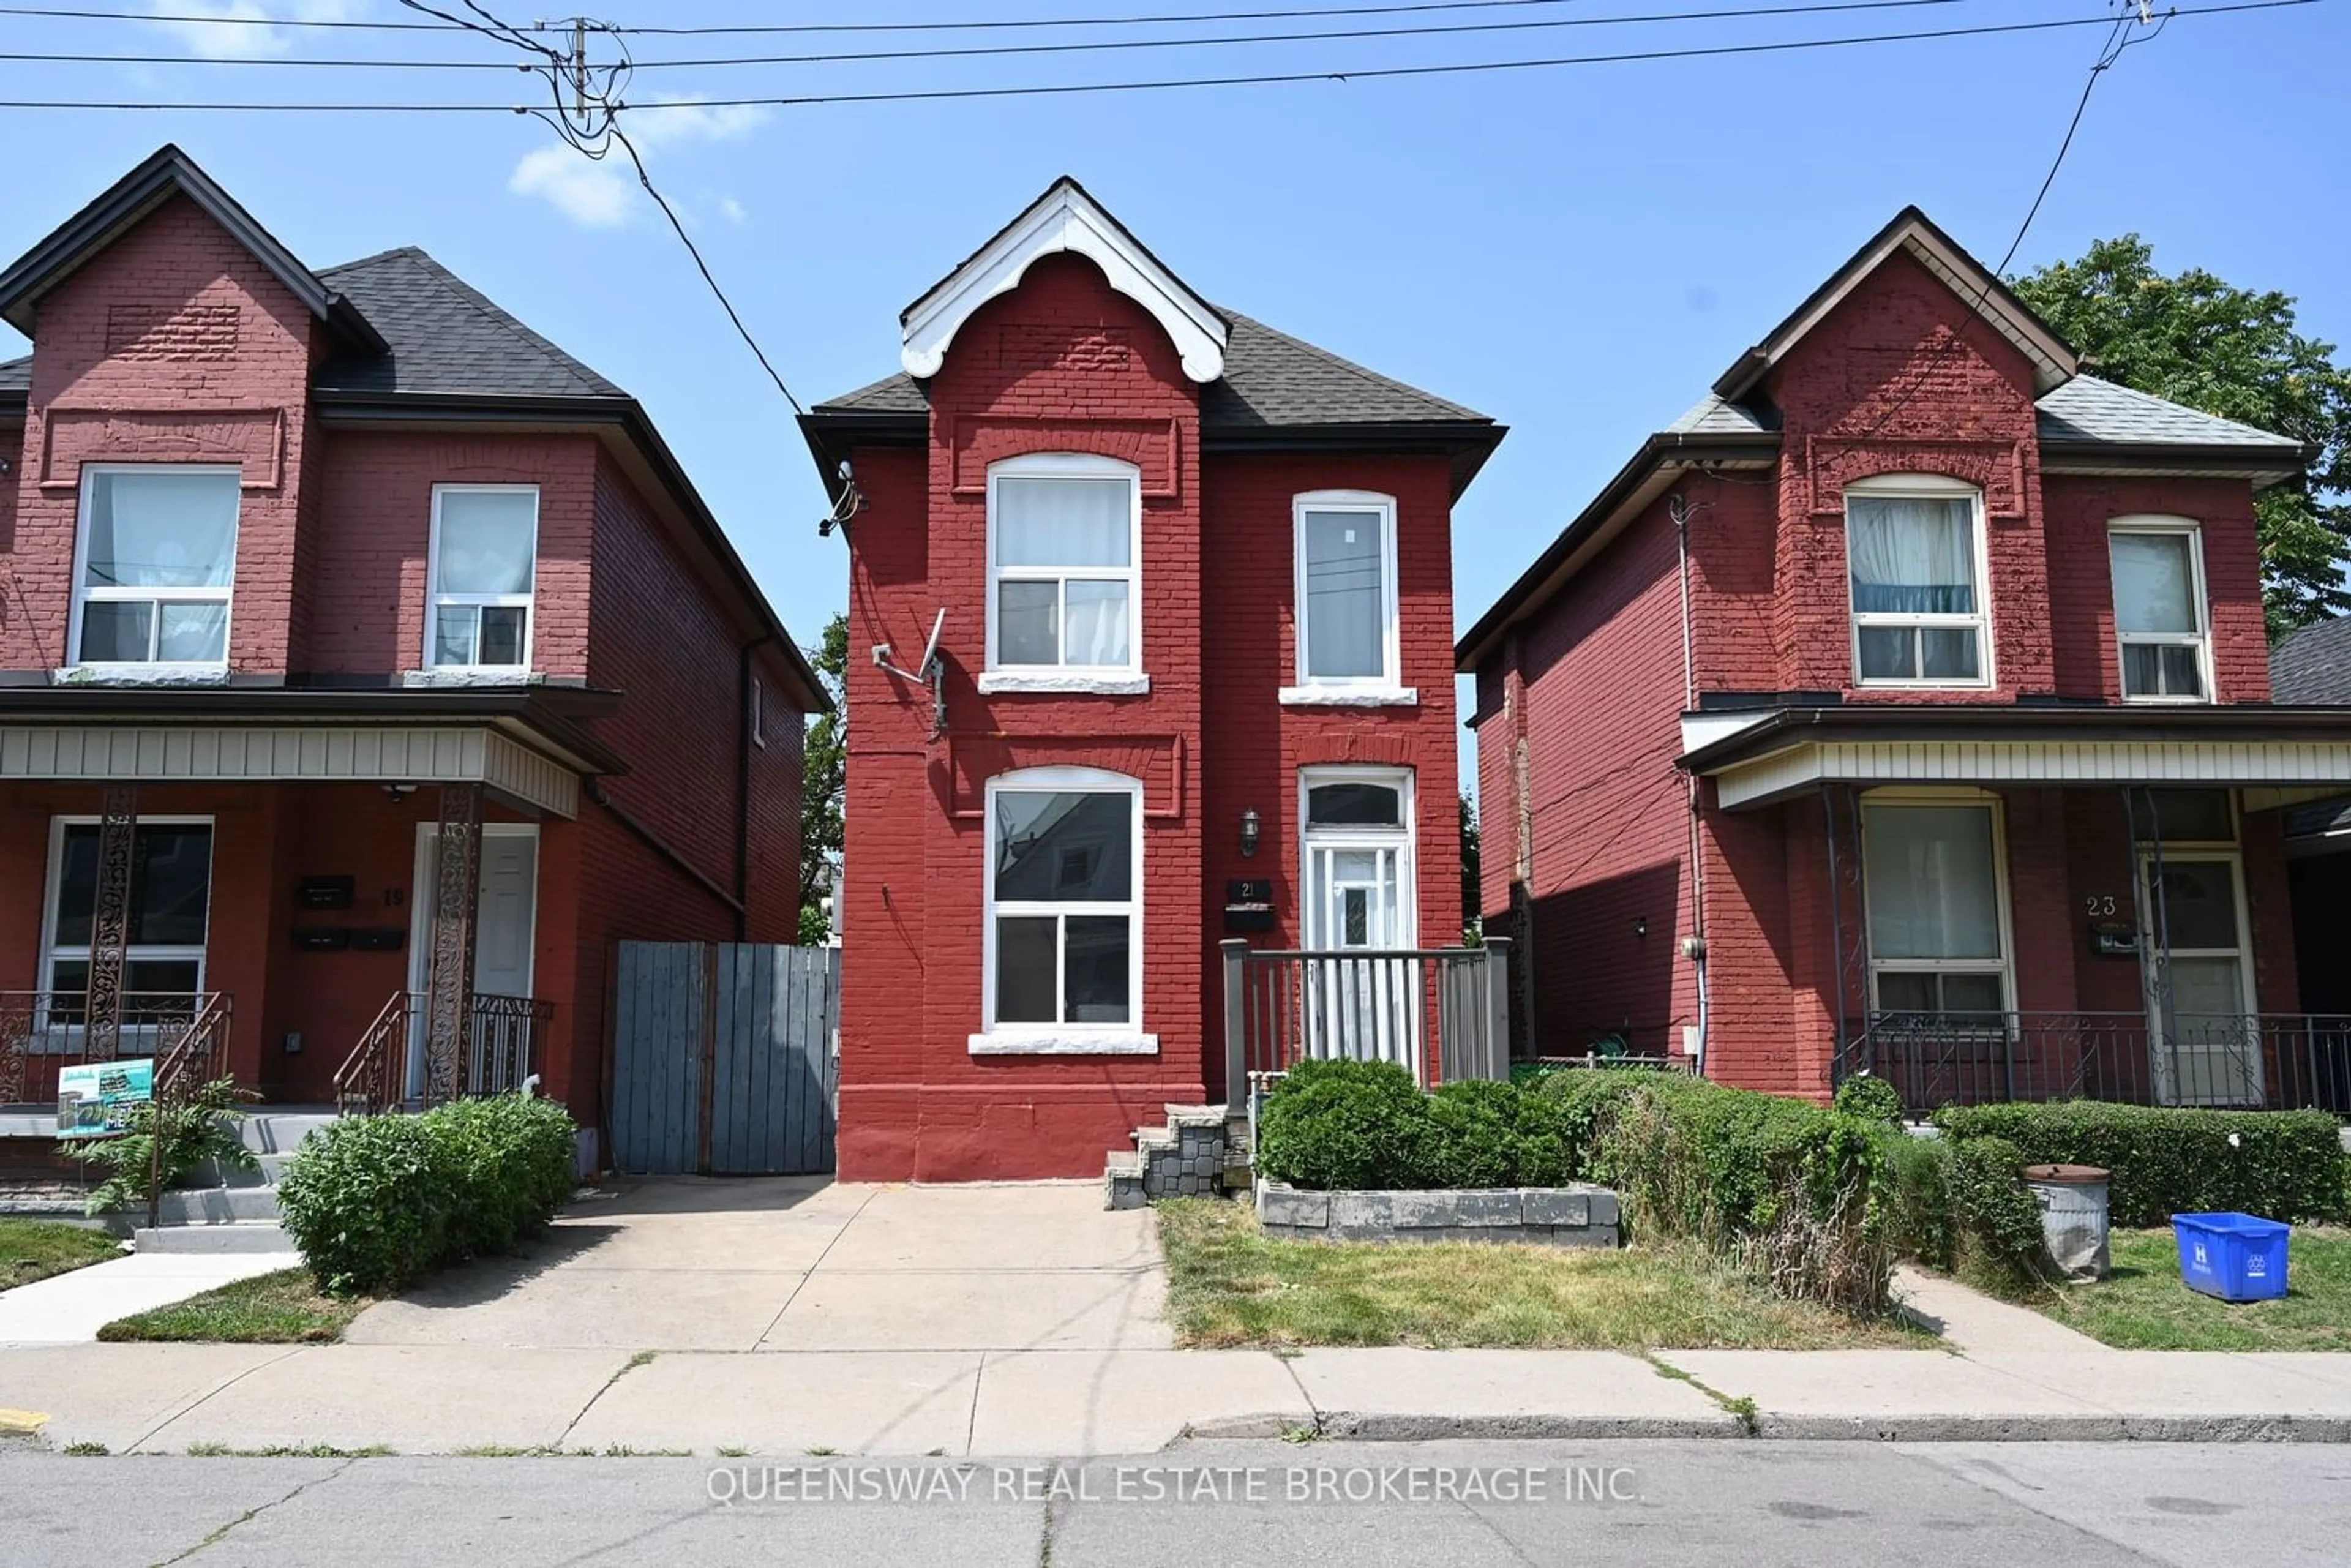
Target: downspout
x=1694, y=945
x=743, y=785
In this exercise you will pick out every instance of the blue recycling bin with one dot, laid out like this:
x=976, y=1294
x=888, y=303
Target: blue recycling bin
x=2236, y=1257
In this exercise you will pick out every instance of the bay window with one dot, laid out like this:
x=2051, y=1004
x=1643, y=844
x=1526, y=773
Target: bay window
x=1064, y=543
x=1937, y=907
x=484, y=572
x=156, y=559
x=1914, y=548
x=1062, y=938
x=1345, y=549
x=2159, y=608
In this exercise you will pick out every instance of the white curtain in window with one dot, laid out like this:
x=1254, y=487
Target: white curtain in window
x=488, y=542
x=1064, y=522
x=162, y=529
x=1912, y=555
x=2154, y=588
x=1932, y=887
x=1346, y=607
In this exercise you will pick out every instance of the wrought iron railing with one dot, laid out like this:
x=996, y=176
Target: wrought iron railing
x=1442, y=1012
x=2279, y=1060
x=185, y=1032
x=502, y=1043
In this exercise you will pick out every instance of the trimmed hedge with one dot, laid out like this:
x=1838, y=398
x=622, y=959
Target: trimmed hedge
x=2286, y=1166
x=1331, y=1125
x=376, y=1202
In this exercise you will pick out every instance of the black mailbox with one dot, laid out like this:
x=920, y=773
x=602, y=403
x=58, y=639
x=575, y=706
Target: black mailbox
x=1248, y=904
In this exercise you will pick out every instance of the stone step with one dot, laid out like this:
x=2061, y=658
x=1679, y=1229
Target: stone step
x=212, y=1172
x=1122, y=1163
x=1149, y=1138
x=217, y=1205
x=281, y=1132
x=246, y=1236
x=1197, y=1115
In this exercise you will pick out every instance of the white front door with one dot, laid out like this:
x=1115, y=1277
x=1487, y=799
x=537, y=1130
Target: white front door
x=506, y=921
x=2207, y=1044
x=1357, y=897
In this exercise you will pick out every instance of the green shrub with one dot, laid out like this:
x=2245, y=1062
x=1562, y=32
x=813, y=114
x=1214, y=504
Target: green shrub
x=164, y=1141
x=1996, y=1228
x=1864, y=1095
x=1339, y=1125
x=2286, y=1166
x=1918, y=1196
x=375, y=1202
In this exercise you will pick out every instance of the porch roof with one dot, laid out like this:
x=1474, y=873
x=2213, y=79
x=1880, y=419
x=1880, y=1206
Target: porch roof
x=528, y=744
x=1761, y=755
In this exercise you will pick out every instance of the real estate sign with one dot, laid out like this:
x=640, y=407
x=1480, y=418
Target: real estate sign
x=94, y=1098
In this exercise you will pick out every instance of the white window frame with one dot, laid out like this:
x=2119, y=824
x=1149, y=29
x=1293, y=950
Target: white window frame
x=2200, y=639
x=435, y=598
x=1311, y=838
x=1942, y=487
x=172, y=953
x=1387, y=687
x=84, y=594
x=1125, y=1038
x=1896, y=799
x=1126, y=679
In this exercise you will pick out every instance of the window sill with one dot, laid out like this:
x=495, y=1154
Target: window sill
x=1366, y=696
x=141, y=675
x=459, y=676
x=994, y=683
x=1059, y=1042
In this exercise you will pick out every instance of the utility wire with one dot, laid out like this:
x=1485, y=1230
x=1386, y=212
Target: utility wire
x=1715, y=51
x=1818, y=7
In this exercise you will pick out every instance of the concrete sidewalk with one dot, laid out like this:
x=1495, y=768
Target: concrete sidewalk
x=70, y=1308
x=426, y=1399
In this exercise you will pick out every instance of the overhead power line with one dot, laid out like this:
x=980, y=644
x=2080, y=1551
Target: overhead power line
x=1713, y=51
x=1096, y=45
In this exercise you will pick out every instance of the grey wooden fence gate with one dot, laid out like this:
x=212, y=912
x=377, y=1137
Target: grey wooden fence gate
x=723, y=1058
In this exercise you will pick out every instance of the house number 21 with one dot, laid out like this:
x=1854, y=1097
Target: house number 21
x=2100, y=904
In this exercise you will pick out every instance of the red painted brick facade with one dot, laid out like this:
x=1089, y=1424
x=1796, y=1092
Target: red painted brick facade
x=1899, y=378
x=174, y=344
x=1062, y=363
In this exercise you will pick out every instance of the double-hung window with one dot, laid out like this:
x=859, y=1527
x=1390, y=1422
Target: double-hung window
x=2160, y=621
x=483, y=569
x=1064, y=541
x=170, y=906
x=1937, y=920
x=1344, y=543
x=1914, y=548
x=155, y=563
x=1065, y=917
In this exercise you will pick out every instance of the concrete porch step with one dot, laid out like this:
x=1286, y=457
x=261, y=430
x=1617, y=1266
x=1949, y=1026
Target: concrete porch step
x=242, y=1236
x=218, y=1205
x=281, y=1132
x=212, y=1172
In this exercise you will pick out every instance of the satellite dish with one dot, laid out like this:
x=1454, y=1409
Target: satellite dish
x=923, y=666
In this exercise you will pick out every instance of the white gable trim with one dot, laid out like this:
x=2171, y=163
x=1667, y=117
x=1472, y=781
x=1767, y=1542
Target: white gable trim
x=1064, y=219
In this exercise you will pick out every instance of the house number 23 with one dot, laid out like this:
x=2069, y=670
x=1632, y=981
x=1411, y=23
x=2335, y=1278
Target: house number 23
x=2100, y=904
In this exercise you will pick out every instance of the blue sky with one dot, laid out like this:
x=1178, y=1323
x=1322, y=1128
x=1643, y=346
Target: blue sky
x=1576, y=251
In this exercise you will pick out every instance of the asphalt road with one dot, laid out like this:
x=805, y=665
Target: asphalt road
x=1432, y=1504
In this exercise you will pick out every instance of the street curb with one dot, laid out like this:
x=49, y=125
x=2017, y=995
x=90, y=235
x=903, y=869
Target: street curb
x=1393, y=1428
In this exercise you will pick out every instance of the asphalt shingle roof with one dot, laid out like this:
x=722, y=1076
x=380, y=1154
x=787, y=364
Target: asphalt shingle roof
x=2086, y=409
x=1271, y=381
x=446, y=337
x=2314, y=665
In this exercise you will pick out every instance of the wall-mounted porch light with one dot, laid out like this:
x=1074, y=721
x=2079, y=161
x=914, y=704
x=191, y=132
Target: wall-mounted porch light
x=1248, y=832
x=400, y=792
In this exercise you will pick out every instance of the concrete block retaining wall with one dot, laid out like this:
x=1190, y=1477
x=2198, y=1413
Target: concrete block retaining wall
x=1578, y=1215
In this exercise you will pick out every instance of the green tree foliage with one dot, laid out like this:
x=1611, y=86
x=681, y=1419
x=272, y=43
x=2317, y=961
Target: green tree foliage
x=2230, y=352
x=824, y=782
x=1472, y=914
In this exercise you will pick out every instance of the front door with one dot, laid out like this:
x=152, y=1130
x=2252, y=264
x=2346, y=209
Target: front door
x=1357, y=898
x=505, y=923
x=2204, y=1036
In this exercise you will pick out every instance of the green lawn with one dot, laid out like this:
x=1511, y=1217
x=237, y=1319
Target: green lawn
x=34, y=1250
x=1229, y=1284
x=268, y=1309
x=2144, y=1307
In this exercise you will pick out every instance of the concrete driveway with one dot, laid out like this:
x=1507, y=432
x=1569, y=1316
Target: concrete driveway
x=804, y=1264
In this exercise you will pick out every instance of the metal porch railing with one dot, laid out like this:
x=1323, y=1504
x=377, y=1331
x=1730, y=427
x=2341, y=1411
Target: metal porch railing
x=503, y=1040
x=186, y=1033
x=2277, y=1061
x=1441, y=1012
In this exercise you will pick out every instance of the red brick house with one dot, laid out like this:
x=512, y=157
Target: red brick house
x=368, y=668
x=1905, y=707
x=1107, y=493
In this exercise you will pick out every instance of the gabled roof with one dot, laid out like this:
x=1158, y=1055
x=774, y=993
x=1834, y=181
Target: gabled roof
x=2314, y=665
x=1913, y=232
x=1065, y=218
x=166, y=174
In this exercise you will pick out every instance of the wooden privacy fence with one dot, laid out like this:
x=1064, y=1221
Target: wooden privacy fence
x=723, y=1058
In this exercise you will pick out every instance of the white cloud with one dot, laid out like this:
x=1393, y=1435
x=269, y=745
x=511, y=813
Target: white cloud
x=602, y=195
x=253, y=32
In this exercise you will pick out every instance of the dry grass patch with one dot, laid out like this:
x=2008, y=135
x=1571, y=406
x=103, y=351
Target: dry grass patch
x=1230, y=1284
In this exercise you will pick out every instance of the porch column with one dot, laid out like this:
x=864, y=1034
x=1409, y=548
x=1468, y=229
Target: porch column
x=109, y=922
x=449, y=983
